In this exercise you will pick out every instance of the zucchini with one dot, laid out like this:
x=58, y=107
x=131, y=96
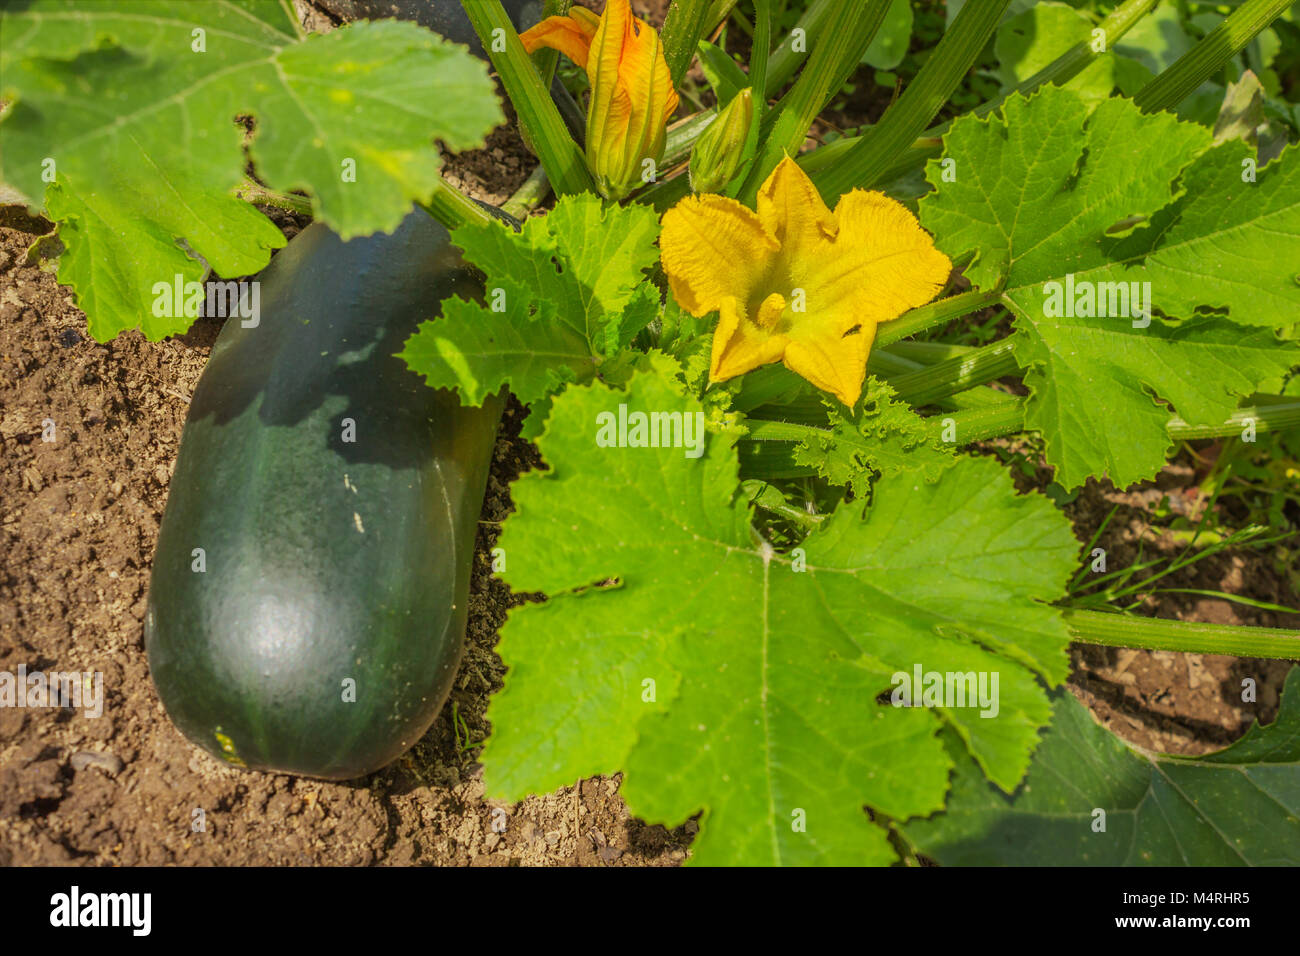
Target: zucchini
x=308, y=597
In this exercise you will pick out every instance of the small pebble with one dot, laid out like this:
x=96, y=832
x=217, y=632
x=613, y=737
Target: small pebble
x=109, y=763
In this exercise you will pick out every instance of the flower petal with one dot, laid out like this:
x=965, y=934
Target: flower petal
x=570, y=35
x=588, y=20
x=713, y=248
x=883, y=263
x=838, y=366
x=740, y=346
x=792, y=210
x=644, y=74
x=607, y=45
x=632, y=97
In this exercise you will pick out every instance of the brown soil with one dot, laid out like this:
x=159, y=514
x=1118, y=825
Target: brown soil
x=77, y=532
x=1179, y=703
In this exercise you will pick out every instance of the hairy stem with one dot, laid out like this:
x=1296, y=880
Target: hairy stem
x=1199, y=63
x=542, y=125
x=1154, y=634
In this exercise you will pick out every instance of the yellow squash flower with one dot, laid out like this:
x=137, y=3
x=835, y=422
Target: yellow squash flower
x=795, y=282
x=632, y=93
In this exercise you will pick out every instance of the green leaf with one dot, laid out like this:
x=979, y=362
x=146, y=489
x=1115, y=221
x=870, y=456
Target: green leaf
x=140, y=127
x=1052, y=198
x=1238, y=806
x=724, y=75
x=562, y=294
x=1157, y=40
x=720, y=677
x=1227, y=243
x=1030, y=41
x=884, y=435
x=889, y=45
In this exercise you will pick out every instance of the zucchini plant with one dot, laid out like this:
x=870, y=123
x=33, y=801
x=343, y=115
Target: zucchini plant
x=782, y=581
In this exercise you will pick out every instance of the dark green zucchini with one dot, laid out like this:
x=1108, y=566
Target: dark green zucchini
x=335, y=499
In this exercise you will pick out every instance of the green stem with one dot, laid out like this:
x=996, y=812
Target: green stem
x=786, y=60
x=849, y=30
x=544, y=58
x=934, y=314
x=928, y=145
x=528, y=196
x=1008, y=417
x=1266, y=418
x=1199, y=63
x=758, y=58
x=906, y=358
x=1074, y=60
x=927, y=353
x=454, y=209
x=873, y=152
x=958, y=373
x=742, y=23
x=775, y=385
x=718, y=13
x=1154, y=634
x=681, y=139
x=684, y=27
x=538, y=115
x=254, y=192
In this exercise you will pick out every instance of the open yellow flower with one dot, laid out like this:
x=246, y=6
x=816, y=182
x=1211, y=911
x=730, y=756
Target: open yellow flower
x=794, y=282
x=632, y=93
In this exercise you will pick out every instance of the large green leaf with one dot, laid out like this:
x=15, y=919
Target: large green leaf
x=1051, y=196
x=563, y=293
x=723, y=676
x=1238, y=806
x=132, y=105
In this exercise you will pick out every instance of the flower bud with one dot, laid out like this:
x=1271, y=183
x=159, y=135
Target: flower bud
x=632, y=93
x=720, y=149
x=632, y=97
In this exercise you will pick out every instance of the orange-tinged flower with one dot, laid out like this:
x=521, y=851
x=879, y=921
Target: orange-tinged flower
x=632, y=93
x=571, y=35
x=795, y=282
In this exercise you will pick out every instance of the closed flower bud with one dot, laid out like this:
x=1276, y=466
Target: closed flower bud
x=632, y=93
x=720, y=149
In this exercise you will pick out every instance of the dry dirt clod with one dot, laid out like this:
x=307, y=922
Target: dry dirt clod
x=111, y=764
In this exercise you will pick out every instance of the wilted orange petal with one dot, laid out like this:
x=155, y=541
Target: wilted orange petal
x=570, y=35
x=644, y=73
